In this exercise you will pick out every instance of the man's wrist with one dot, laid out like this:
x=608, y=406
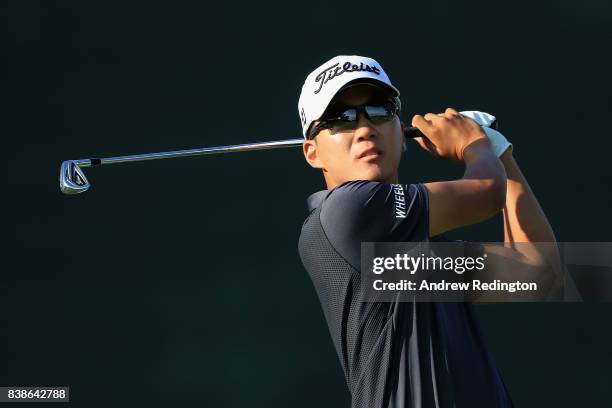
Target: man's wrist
x=506, y=155
x=476, y=148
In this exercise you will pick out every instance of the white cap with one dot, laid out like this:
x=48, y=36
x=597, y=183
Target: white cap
x=323, y=84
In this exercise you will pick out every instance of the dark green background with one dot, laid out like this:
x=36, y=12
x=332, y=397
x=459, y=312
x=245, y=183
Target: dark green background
x=178, y=283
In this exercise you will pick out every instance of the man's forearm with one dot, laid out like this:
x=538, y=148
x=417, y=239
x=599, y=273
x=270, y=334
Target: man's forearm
x=524, y=219
x=525, y=222
x=478, y=195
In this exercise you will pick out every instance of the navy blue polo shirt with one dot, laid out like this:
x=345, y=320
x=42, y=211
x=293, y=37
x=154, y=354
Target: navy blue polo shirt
x=393, y=354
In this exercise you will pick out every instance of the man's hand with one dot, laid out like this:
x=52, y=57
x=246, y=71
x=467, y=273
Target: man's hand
x=448, y=134
x=481, y=192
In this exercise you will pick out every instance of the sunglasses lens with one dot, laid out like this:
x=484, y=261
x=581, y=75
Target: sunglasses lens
x=340, y=119
x=347, y=120
x=380, y=114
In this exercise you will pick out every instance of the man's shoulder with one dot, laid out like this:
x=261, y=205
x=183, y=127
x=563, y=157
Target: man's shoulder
x=356, y=187
x=362, y=197
x=373, y=209
x=367, y=211
x=347, y=203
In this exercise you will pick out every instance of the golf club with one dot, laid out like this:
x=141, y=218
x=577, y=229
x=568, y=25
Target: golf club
x=72, y=180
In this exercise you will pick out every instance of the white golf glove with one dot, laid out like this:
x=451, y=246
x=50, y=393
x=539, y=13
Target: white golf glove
x=499, y=143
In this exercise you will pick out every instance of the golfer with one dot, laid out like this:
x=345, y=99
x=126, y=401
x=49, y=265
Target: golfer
x=401, y=354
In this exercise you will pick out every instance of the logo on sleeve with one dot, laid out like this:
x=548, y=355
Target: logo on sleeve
x=400, y=201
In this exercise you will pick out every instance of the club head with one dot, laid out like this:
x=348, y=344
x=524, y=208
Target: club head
x=72, y=179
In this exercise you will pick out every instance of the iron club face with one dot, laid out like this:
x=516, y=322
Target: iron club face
x=72, y=180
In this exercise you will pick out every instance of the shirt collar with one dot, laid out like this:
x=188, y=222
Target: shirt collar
x=315, y=200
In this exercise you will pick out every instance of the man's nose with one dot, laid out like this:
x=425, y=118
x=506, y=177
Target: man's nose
x=365, y=130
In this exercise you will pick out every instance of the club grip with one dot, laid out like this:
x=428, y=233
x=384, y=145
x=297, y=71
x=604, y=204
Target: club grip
x=411, y=132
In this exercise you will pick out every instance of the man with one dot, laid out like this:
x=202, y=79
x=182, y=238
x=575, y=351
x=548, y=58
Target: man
x=402, y=354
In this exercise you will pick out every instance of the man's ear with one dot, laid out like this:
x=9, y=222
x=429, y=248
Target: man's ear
x=311, y=153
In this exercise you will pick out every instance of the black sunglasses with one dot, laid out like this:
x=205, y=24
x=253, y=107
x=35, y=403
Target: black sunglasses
x=339, y=119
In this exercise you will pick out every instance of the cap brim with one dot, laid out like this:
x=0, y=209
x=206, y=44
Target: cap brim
x=369, y=81
x=393, y=92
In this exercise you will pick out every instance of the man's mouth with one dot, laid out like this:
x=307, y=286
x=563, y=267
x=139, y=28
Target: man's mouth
x=370, y=154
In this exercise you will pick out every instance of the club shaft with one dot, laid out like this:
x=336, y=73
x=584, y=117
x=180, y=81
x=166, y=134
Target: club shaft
x=277, y=144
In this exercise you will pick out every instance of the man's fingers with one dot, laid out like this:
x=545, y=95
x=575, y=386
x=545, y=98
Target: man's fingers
x=431, y=117
x=451, y=111
x=446, y=134
x=428, y=123
x=421, y=123
x=450, y=114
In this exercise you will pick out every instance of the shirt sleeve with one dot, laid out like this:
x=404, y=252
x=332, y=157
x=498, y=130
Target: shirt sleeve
x=370, y=211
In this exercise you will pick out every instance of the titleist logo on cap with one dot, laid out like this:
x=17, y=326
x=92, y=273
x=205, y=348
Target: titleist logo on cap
x=335, y=70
